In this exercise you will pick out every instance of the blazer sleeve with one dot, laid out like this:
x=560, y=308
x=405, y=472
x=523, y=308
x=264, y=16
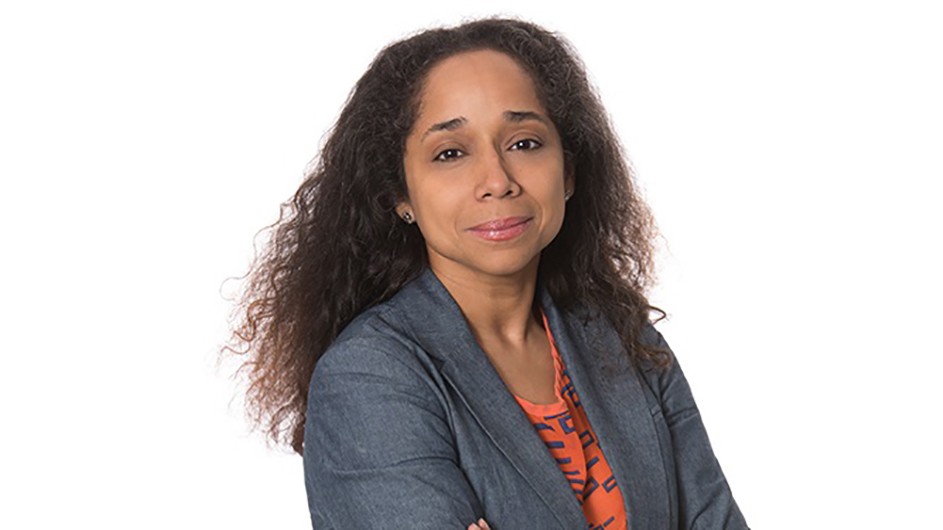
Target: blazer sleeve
x=378, y=450
x=705, y=499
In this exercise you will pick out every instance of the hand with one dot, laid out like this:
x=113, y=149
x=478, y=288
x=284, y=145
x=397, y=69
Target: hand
x=480, y=525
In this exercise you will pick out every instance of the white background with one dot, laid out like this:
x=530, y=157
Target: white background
x=791, y=152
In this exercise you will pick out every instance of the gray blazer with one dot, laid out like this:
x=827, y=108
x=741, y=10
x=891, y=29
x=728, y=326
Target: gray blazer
x=410, y=426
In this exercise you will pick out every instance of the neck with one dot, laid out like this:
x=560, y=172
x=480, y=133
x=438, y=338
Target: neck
x=496, y=308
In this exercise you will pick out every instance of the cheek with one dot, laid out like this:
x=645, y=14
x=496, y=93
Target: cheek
x=437, y=211
x=438, y=197
x=554, y=204
x=551, y=186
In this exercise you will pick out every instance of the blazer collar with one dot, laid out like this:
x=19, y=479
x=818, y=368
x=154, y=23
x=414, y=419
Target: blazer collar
x=605, y=382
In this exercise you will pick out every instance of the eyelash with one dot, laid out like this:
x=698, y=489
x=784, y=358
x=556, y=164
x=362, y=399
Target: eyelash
x=439, y=157
x=536, y=144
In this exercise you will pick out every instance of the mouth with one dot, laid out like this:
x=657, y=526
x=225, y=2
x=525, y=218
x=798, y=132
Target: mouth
x=501, y=229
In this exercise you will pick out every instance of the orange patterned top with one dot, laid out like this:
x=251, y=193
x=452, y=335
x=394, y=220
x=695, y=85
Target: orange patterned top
x=563, y=426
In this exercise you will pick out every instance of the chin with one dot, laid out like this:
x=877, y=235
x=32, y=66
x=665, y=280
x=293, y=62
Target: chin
x=507, y=269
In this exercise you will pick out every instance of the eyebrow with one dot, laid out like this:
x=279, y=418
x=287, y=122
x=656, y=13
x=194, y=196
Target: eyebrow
x=513, y=116
x=518, y=116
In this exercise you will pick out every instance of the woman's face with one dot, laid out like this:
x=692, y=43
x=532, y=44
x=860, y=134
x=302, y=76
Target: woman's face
x=484, y=169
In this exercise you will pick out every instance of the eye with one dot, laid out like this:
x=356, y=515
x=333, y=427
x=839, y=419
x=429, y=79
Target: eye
x=526, y=144
x=447, y=155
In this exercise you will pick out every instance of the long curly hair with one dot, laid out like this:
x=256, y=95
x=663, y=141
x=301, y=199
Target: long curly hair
x=338, y=247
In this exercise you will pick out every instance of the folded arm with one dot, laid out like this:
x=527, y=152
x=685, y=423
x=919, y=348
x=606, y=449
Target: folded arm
x=378, y=449
x=706, y=501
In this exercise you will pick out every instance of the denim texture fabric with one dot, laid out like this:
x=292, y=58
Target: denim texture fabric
x=410, y=426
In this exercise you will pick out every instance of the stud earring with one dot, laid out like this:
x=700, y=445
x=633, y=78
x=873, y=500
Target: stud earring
x=566, y=195
x=408, y=218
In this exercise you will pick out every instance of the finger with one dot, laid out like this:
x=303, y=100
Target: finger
x=480, y=525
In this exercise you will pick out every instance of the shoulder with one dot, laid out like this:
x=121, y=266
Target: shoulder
x=380, y=324
x=378, y=339
x=599, y=327
x=603, y=335
x=374, y=398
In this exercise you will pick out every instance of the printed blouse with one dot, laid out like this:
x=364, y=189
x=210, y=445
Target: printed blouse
x=565, y=429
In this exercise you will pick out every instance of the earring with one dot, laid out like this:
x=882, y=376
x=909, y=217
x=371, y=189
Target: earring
x=408, y=218
x=566, y=195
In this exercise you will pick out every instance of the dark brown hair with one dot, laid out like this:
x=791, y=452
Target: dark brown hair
x=338, y=247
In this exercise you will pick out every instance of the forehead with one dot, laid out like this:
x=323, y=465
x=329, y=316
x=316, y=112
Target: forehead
x=478, y=79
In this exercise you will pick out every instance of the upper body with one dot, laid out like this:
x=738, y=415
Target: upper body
x=409, y=425
x=472, y=181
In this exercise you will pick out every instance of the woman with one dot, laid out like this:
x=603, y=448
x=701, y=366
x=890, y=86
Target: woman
x=450, y=322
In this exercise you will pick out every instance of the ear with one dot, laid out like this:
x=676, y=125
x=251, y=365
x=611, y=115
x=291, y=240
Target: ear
x=569, y=177
x=402, y=206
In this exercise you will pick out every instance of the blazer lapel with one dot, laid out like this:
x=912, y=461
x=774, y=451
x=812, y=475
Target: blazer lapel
x=615, y=405
x=443, y=332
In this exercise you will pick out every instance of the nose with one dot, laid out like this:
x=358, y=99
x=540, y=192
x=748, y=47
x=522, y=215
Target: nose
x=497, y=180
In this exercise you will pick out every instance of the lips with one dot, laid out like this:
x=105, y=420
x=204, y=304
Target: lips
x=501, y=229
x=500, y=224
